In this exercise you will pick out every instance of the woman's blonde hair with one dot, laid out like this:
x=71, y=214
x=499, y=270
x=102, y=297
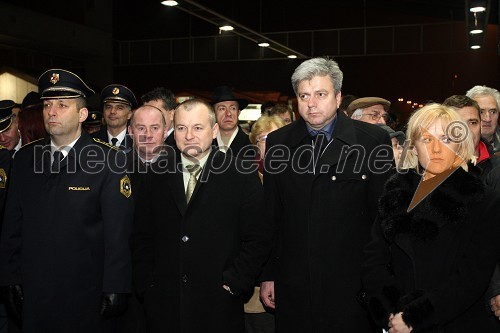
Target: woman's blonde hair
x=453, y=127
x=265, y=124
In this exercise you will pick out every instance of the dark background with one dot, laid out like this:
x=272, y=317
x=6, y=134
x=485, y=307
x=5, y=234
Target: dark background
x=411, y=49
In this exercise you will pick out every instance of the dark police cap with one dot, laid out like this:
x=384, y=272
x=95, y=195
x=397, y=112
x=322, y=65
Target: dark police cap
x=94, y=118
x=119, y=94
x=31, y=100
x=62, y=84
x=6, y=115
x=223, y=94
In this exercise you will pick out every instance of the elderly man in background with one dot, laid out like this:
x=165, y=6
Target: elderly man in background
x=372, y=110
x=489, y=103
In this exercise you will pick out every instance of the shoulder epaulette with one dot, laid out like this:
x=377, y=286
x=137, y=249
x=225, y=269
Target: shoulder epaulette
x=106, y=144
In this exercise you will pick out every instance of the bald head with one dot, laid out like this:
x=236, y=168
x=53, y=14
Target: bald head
x=149, y=130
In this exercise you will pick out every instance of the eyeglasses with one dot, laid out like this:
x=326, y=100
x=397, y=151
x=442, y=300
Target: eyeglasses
x=376, y=116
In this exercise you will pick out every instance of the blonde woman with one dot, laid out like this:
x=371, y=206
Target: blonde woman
x=432, y=253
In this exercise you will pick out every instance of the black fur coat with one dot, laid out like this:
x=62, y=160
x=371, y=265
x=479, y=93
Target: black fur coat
x=433, y=263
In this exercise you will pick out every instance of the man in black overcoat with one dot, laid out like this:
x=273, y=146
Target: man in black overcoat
x=323, y=175
x=64, y=256
x=199, y=239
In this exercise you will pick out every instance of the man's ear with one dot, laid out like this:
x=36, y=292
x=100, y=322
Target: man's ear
x=83, y=114
x=215, y=130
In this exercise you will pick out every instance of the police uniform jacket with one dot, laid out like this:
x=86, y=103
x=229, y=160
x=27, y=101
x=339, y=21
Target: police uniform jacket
x=184, y=253
x=323, y=215
x=65, y=235
x=102, y=135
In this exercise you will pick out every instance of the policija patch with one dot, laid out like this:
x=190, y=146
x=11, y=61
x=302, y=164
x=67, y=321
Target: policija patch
x=125, y=186
x=3, y=178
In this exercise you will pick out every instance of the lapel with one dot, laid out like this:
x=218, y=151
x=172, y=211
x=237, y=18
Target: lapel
x=176, y=181
x=404, y=242
x=344, y=135
x=43, y=161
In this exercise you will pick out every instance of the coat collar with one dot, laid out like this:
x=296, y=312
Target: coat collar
x=448, y=203
x=73, y=157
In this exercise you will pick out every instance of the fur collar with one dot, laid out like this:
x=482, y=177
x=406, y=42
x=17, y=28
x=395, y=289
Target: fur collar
x=446, y=204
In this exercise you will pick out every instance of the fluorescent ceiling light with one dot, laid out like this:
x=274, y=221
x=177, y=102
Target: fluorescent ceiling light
x=226, y=28
x=292, y=56
x=169, y=3
x=476, y=31
x=475, y=47
x=263, y=44
x=477, y=9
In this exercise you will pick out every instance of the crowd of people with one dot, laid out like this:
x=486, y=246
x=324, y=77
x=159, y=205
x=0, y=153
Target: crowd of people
x=152, y=216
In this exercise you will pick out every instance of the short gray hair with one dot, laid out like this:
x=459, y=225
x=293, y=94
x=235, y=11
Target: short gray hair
x=132, y=119
x=357, y=114
x=318, y=67
x=484, y=91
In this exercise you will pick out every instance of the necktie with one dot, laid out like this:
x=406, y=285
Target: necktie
x=56, y=164
x=194, y=170
x=114, y=141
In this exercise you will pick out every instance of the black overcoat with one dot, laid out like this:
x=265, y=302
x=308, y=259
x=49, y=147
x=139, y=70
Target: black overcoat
x=182, y=254
x=434, y=263
x=323, y=221
x=65, y=235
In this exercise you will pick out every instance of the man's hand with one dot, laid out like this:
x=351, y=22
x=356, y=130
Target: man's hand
x=113, y=305
x=397, y=324
x=495, y=305
x=13, y=298
x=267, y=293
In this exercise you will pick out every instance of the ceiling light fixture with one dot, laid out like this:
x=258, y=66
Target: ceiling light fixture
x=476, y=31
x=263, y=44
x=169, y=3
x=226, y=28
x=292, y=56
x=475, y=47
x=477, y=9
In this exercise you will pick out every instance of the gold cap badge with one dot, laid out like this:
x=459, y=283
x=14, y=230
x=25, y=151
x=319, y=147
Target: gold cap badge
x=116, y=91
x=54, y=78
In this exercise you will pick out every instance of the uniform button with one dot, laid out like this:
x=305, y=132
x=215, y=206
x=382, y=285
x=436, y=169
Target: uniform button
x=363, y=177
x=185, y=239
x=184, y=278
x=334, y=178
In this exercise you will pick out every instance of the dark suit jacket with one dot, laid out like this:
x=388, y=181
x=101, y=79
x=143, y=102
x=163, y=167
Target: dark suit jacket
x=323, y=220
x=102, y=134
x=65, y=235
x=170, y=140
x=182, y=254
x=240, y=147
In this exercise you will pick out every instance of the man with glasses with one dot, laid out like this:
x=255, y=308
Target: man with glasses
x=372, y=110
x=489, y=101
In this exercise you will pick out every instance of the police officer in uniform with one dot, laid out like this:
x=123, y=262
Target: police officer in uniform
x=118, y=102
x=64, y=255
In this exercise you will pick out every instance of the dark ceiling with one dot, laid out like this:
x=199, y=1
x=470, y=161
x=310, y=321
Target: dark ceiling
x=150, y=19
